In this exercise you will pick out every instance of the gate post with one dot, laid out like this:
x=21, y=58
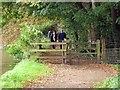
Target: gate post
x=70, y=51
x=104, y=54
x=77, y=51
x=98, y=51
x=64, y=52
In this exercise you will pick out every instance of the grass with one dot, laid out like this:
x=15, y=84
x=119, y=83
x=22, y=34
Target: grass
x=111, y=82
x=115, y=65
x=24, y=71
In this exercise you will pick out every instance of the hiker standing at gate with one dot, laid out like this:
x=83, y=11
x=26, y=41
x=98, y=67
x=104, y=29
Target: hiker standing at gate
x=53, y=38
x=61, y=37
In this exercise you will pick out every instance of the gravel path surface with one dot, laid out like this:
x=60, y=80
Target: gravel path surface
x=73, y=76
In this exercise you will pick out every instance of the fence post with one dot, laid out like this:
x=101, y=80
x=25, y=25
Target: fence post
x=104, y=54
x=98, y=51
x=77, y=51
x=64, y=53
x=70, y=51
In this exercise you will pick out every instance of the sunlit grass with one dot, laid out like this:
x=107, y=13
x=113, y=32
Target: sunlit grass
x=24, y=71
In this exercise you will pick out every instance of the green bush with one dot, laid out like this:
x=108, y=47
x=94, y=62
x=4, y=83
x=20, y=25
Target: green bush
x=111, y=82
x=15, y=50
x=24, y=71
x=45, y=39
x=29, y=34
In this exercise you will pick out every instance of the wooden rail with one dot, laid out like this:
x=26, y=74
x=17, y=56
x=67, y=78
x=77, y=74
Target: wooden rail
x=63, y=50
x=76, y=48
x=70, y=48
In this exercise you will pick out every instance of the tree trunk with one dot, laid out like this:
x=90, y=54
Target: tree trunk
x=114, y=17
x=92, y=33
x=76, y=35
x=118, y=25
x=74, y=23
x=93, y=26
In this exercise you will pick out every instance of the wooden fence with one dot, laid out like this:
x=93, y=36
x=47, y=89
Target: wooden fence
x=70, y=48
x=51, y=50
x=84, y=48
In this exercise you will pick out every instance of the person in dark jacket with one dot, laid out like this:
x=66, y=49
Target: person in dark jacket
x=61, y=37
x=53, y=38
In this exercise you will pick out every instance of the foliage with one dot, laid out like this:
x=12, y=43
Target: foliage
x=45, y=39
x=15, y=50
x=78, y=19
x=29, y=34
x=118, y=20
x=9, y=10
x=22, y=73
x=16, y=11
x=112, y=82
x=60, y=11
x=109, y=83
x=75, y=16
x=33, y=33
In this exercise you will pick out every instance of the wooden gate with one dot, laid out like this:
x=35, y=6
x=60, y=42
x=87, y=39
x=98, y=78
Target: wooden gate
x=82, y=51
x=36, y=49
x=71, y=51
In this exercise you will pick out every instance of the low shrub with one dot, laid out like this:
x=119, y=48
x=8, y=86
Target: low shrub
x=111, y=82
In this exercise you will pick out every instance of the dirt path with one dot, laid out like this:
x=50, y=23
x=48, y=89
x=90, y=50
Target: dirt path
x=0, y=39
x=73, y=76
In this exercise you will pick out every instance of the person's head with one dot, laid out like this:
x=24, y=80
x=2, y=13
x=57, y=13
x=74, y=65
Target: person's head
x=54, y=32
x=61, y=30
